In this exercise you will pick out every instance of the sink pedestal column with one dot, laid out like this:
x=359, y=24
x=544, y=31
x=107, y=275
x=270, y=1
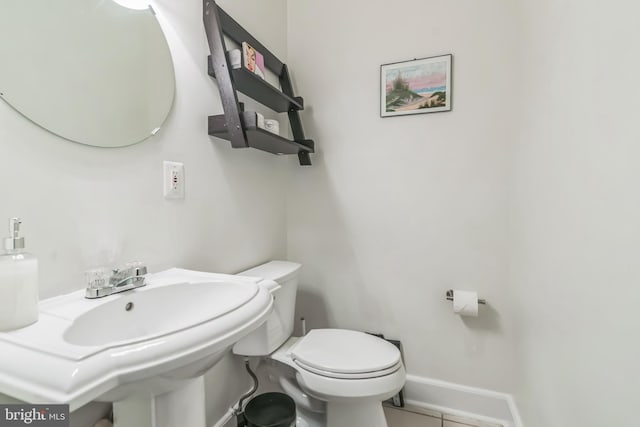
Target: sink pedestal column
x=182, y=407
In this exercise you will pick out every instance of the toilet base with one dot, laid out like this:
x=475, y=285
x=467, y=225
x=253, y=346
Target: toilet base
x=356, y=414
x=306, y=421
x=312, y=411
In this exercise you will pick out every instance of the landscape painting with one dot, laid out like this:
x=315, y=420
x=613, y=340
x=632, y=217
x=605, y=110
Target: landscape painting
x=415, y=87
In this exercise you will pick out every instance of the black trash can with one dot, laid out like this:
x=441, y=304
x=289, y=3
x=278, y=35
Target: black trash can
x=271, y=410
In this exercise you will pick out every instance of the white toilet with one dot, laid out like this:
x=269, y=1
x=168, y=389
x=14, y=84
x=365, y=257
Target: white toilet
x=351, y=372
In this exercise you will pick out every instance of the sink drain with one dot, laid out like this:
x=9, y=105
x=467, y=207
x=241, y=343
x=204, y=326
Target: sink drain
x=129, y=306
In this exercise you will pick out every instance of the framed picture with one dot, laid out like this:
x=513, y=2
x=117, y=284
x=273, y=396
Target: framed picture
x=416, y=86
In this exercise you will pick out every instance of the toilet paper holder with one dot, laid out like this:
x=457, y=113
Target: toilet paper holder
x=450, y=297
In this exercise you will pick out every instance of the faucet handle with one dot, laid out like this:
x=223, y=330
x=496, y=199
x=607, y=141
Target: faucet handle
x=96, y=278
x=137, y=268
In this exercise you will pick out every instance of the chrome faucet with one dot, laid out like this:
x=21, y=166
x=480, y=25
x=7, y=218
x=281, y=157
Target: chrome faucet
x=101, y=284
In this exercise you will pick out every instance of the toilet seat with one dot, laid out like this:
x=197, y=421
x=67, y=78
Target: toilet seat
x=329, y=386
x=355, y=376
x=345, y=354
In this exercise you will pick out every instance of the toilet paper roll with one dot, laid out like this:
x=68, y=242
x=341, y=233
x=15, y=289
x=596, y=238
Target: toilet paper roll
x=465, y=303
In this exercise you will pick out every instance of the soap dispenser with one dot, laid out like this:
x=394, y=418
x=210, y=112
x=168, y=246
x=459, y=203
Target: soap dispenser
x=18, y=282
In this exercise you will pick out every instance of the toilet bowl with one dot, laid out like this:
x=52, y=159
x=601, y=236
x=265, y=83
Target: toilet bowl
x=350, y=372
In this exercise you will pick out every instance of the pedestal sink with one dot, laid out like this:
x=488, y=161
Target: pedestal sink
x=138, y=349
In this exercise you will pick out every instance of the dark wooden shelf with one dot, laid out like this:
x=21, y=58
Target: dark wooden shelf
x=262, y=91
x=257, y=137
x=235, y=125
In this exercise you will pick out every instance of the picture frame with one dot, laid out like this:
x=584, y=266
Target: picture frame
x=416, y=86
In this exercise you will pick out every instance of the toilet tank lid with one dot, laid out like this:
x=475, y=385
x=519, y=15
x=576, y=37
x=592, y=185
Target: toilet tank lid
x=279, y=271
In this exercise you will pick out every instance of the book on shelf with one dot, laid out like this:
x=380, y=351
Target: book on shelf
x=253, y=60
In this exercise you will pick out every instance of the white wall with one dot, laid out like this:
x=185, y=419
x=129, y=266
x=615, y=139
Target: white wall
x=395, y=211
x=84, y=206
x=524, y=192
x=576, y=214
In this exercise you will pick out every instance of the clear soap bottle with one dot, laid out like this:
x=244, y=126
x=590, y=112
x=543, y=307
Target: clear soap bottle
x=18, y=282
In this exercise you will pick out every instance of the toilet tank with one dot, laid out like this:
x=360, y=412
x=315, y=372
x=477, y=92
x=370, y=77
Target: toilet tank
x=279, y=325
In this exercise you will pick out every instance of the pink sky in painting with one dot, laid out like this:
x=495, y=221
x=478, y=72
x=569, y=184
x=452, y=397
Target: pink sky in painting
x=433, y=80
x=422, y=81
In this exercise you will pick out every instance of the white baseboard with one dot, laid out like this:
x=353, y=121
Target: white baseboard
x=449, y=398
x=460, y=400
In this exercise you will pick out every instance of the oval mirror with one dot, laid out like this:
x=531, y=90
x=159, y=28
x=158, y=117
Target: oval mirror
x=91, y=71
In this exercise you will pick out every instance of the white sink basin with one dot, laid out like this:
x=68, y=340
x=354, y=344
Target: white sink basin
x=155, y=311
x=171, y=330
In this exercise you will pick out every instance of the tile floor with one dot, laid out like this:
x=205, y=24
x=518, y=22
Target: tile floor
x=417, y=417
